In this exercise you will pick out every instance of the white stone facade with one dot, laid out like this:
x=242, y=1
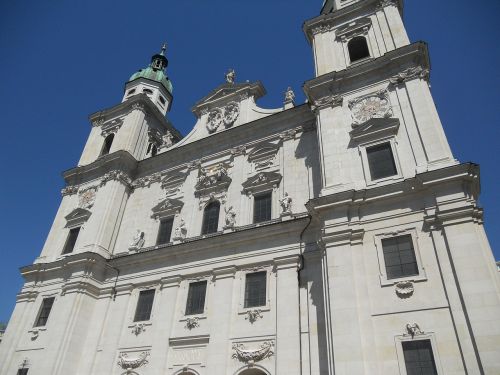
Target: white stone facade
x=330, y=305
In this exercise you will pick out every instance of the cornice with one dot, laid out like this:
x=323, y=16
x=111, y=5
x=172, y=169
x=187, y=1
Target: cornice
x=331, y=18
x=216, y=242
x=139, y=101
x=119, y=165
x=397, y=66
x=466, y=174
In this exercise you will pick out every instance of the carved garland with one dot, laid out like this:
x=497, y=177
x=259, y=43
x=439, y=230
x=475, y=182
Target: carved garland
x=127, y=363
x=409, y=74
x=265, y=350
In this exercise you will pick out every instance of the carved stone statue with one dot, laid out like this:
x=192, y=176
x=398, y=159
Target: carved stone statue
x=137, y=241
x=286, y=204
x=168, y=139
x=230, y=76
x=180, y=231
x=230, y=217
x=289, y=95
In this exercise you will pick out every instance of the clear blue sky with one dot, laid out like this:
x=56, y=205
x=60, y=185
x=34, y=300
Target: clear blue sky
x=62, y=60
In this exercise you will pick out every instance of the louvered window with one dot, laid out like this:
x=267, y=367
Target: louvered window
x=144, y=305
x=210, y=218
x=419, y=359
x=255, y=289
x=399, y=257
x=196, y=298
x=381, y=161
x=165, y=231
x=262, y=207
x=71, y=240
x=43, y=314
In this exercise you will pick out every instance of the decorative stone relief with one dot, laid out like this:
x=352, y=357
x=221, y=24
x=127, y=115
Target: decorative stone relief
x=384, y=3
x=86, y=197
x=212, y=179
x=137, y=328
x=111, y=127
x=250, y=356
x=371, y=106
x=180, y=231
x=409, y=74
x=286, y=204
x=69, y=190
x=404, y=289
x=239, y=150
x=322, y=28
x=353, y=29
x=192, y=323
x=98, y=122
x=413, y=330
x=34, y=333
x=253, y=315
x=146, y=181
x=327, y=101
x=138, y=241
x=116, y=175
x=127, y=363
x=167, y=207
x=155, y=137
x=172, y=183
x=138, y=107
x=215, y=119
x=220, y=196
x=230, y=218
x=288, y=134
x=231, y=113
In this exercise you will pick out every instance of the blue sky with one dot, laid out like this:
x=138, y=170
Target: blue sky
x=62, y=60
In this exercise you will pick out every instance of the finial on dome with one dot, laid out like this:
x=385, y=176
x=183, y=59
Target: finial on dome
x=163, y=48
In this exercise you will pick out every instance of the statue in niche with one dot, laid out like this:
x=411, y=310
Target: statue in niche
x=180, y=231
x=230, y=217
x=137, y=241
x=286, y=204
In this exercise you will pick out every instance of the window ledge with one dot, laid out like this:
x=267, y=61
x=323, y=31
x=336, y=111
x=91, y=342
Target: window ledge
x=384, y=282
x=245, y=310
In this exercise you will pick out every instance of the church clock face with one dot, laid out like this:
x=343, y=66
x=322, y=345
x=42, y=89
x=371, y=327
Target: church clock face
x=370, y=107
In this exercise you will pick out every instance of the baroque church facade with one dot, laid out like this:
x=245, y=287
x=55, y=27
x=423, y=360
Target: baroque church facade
x=339, y=236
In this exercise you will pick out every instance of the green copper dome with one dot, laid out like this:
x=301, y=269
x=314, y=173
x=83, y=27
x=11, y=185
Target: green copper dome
x=156, y=71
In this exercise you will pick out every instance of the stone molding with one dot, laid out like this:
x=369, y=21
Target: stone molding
x=261, y=181
x=353, y=29
x=329, y=101
x=116, y=175
x=111, y=127
x=167, y=207
x=170, y=281
x=343, y=237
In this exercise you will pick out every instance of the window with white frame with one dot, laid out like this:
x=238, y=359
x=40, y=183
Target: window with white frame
x=144, y=305
x=381, y=161
x=195, y=303
x=43, y=314
x=255, y=289
x=69, y=245
x=399, y=256
x=262, y=205
x=419, y=357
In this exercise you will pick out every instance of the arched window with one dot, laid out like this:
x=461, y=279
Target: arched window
x=108, y=141
x=147, y=92
x=210, y=218
x=358, y=48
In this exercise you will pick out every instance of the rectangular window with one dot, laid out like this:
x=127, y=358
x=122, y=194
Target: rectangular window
x=71, y=240
x=262, y=207
x=419, y=359
x=43, y=314
x=196, y=298
x=255, y=289
x=144, y=305
x=381, y=161
x=399, y=257
x=22, y=371
x=165, y=231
